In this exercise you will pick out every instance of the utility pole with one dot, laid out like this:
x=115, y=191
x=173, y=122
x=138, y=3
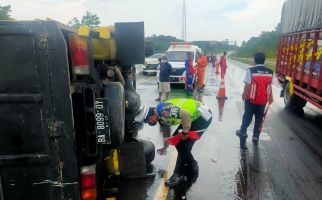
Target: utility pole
x=184, y=24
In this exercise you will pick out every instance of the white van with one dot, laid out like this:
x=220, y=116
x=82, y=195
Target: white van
x=177, y=55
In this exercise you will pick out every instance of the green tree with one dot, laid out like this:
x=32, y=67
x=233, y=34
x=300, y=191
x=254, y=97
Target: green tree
x=161, y=42
x=74, y=22
x=266, y=42
x=89, y=19
x=4, y=12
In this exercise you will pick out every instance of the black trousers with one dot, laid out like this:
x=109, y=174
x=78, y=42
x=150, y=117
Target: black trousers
x=250, y=110
x=184, y=148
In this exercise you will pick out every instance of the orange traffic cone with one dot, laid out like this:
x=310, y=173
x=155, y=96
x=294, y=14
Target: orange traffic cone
x=221, y=96
x=222, y=91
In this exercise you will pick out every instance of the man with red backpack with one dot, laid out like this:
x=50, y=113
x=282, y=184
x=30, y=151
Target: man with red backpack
x=257, y=93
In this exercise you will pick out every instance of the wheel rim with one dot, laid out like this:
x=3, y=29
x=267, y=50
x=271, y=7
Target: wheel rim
x=287, y=95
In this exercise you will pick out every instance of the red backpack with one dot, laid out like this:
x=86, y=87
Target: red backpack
x=261, y=85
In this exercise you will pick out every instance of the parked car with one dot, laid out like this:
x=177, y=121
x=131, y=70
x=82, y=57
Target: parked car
x=152, y=64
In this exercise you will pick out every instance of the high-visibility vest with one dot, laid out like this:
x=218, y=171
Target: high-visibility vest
x=261, y=85
x=169, y=111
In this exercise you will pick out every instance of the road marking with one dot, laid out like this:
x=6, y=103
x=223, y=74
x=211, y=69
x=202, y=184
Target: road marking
x=162, y=191
x=144, y=80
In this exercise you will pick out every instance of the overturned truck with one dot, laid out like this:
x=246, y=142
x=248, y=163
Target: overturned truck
x=67, y=109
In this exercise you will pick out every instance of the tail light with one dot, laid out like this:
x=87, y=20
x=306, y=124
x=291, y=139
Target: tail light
x=88, y=182
x=79, y=55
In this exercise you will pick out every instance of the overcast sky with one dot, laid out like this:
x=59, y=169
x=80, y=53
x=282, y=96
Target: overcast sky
x=236, y=20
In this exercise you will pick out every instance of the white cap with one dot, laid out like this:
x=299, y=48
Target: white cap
x=143, y=113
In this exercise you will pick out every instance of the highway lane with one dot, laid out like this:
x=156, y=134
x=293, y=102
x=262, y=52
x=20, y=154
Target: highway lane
x=287, y=164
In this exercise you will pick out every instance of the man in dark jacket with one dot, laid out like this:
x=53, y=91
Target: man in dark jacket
x=164, y=78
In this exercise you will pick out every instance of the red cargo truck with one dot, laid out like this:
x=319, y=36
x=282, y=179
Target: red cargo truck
x=299, y=57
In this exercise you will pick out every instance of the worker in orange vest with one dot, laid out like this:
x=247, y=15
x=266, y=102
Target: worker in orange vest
x=223, y=64
x=201, y=69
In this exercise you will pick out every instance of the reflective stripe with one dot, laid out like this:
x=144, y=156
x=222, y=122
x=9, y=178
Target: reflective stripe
x=189, y=105
x=253, y=91
x=268, y=90
x=260, y=74
x=261, y=79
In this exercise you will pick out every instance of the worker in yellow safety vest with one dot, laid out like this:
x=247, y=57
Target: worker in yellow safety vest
x=190, y=115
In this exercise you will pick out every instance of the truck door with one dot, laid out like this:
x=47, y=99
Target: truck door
x=37, y=158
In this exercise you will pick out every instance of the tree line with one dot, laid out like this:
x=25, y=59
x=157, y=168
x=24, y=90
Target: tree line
x=266, y=42
x=161, y=43
x=5, y=12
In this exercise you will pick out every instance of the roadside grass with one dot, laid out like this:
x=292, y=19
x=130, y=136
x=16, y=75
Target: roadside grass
x=270, y=62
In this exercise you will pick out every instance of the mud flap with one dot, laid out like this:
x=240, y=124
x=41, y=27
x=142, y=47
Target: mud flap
x=132, y=160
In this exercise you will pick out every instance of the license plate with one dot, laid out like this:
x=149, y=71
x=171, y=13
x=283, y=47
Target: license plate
x=101, y=121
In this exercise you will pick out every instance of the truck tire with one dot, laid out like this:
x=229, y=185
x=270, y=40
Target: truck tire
x=149, y=150
x=114, y=92
x=293, y=101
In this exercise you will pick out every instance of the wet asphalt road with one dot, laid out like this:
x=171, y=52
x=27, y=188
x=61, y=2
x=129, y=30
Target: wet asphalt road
x=287, y=164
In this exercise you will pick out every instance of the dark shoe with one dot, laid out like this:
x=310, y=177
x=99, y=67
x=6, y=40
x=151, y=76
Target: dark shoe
x=157, y=99
x=174, y=180
x=200, y=90
x=255, y=139
x=238, y=133
x=243, y=143
x=194, y=172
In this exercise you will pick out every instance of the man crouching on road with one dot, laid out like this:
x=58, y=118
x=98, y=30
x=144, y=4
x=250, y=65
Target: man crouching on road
x=190, y=115
x=257, y=93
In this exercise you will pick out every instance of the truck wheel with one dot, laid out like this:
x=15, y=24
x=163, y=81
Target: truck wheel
x=149, y=150
x=287, y=95
x=292, y=101
x=114, y=92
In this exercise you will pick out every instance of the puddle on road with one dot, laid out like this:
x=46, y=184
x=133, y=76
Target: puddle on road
x=264, y=137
